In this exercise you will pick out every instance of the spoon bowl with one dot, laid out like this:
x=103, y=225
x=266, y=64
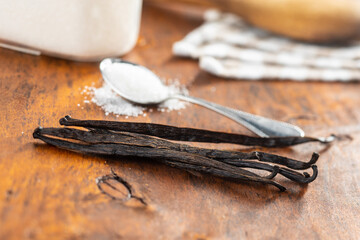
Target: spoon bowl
x=133, y=82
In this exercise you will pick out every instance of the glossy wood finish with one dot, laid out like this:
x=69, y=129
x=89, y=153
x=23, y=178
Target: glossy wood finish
x=48, y=193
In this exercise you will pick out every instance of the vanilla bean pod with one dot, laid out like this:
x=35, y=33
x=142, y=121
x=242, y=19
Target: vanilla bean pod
x=229, y=157
x=181, y=160
x=106, y=136
x=120, y=149
x=101, y=141
x=191, y=134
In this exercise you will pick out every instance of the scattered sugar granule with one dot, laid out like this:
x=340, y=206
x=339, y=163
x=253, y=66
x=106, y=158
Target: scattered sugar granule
x=113, y=103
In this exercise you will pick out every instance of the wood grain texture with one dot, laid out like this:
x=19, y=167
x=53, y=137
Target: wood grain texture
x=48, y=193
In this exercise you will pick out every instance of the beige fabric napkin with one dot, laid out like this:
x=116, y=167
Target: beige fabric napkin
x=228, y=47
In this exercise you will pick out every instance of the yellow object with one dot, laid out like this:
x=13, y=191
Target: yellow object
x=307, y=20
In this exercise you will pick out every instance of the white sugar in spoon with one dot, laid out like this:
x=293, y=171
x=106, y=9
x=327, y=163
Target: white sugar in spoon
x=141, y=86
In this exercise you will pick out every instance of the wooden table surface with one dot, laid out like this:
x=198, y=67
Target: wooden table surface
x=48, y=193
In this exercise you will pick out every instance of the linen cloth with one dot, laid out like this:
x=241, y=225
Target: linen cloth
x=228, y=47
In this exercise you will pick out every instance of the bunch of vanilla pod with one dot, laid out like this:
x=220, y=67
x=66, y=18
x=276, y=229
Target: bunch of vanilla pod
x=147, y=140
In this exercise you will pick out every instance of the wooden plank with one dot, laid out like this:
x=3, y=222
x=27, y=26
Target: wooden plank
x=50, y=193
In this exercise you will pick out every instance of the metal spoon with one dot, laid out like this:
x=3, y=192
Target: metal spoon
x=126, y=79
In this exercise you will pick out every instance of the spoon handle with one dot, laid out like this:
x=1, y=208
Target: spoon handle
x=263, y=127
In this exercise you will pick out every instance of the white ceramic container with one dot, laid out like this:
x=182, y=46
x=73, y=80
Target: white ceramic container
x=84, y=30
